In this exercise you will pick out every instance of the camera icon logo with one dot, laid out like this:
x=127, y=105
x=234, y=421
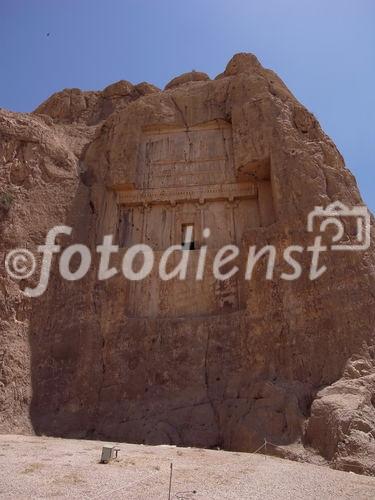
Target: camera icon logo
x=333, y=215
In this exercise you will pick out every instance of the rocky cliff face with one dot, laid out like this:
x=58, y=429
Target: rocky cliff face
x=293, y=363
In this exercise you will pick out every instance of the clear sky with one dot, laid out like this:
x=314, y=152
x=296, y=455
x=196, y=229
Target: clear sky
x=324, y=50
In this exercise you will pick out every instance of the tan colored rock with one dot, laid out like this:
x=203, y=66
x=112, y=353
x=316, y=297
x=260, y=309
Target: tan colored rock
x=342, y=421
x=88, y=107
x=145, y=88
x=242, y=63
x=70, y=105
x=190, y=363
x=192, y=76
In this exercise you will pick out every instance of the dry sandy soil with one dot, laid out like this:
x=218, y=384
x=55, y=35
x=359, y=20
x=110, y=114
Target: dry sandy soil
x=40, y=467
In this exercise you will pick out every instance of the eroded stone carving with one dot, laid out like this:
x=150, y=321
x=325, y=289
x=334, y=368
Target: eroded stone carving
x=188, y=178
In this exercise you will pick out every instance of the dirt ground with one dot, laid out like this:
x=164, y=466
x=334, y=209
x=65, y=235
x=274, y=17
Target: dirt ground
x=41, y=467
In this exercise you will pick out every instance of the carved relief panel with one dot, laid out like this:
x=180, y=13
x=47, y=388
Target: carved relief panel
x=187, y=180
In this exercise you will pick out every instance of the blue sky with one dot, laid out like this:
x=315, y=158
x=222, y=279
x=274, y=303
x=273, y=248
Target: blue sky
x=324, y=50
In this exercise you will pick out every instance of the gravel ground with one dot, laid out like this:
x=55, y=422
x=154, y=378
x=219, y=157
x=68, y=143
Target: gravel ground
x=40, y=467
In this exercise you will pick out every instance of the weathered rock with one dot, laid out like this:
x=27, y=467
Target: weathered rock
x=195, y=363
x=90, y=108
x=192, y=76
x=342, y=421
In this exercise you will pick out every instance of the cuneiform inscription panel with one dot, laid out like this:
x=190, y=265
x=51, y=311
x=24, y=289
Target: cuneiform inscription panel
x=187, y=157
x=194, y=193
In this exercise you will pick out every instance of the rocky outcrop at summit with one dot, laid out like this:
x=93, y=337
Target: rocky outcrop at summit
x=89, y=107
x=193, y=76
x=204, y=365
